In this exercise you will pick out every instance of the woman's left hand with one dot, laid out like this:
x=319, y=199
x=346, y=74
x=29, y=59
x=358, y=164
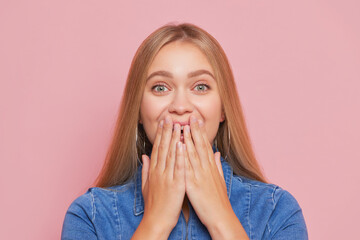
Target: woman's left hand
x=204, y=182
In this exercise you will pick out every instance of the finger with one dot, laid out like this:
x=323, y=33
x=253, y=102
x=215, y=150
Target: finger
x=170, y=164
x=144, y=170
x=190, y=149
x=164, y=143
x=179, y=171
x=207, y=143
x=200, y=144
x=188, y=168
x=218, y=163
x=154, y=152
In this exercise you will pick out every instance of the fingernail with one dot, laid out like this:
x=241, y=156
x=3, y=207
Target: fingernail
x=187, y=128
x=192, y=119
x=177, y=126
x=201, y=123
x=179, y=145
x=161, y=123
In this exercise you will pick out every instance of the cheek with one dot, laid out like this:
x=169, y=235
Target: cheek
x=150, y=113
x=211, y=112
x=212, y=128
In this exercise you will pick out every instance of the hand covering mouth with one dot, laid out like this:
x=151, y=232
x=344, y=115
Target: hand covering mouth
x=181, y=128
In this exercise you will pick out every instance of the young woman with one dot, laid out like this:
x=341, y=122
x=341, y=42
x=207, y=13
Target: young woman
x=181, y=165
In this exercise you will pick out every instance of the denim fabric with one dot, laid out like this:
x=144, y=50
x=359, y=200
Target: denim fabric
x=266, y=211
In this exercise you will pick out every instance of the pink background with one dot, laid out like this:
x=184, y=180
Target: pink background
x=63, y=65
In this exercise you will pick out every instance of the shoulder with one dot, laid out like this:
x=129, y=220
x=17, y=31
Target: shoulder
x=87, y=200
x=272, y=191
x=107, y=193
x=256, y=188
x=98, y=198
x=79, y=217
x=275, y=197
x=271, y=206
x=85, y=216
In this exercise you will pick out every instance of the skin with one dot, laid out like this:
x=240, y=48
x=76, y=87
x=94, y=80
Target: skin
x=188, y=170
x=180, y=96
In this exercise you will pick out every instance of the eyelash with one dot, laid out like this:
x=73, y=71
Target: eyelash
x=201, y=84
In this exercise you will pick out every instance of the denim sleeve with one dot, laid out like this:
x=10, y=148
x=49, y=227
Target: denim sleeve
x=287, y=220
x=78, y=222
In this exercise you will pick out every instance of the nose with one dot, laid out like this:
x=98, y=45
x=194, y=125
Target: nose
x=180, y=104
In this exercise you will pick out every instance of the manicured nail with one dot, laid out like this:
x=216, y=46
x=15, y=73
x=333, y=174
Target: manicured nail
x=192, y=119
x=177, y=126
x=187, y=128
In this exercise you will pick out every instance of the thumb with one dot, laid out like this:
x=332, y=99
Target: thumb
x=218, y=163
x=144, y=170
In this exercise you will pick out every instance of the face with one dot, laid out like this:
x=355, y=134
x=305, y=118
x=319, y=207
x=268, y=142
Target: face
x=180, y=83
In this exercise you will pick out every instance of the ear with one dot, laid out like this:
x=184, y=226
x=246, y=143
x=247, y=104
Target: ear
x=222, y=116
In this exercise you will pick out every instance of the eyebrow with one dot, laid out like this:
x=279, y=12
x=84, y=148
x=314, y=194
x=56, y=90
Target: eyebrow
x=190, y=75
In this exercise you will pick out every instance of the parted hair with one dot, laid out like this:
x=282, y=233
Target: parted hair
x=129, y=138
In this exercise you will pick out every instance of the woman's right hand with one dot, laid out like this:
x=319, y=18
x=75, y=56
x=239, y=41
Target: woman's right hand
x=163, y=178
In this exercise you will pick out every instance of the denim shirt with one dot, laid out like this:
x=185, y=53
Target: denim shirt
x=265, y=211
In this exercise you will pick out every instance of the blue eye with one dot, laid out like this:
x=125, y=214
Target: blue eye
x=159, y=88
x=202, y=87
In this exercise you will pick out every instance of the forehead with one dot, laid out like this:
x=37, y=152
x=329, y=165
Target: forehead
x=180, y=58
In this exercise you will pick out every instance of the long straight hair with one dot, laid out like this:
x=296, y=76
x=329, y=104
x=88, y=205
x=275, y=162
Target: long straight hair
x=127, y=145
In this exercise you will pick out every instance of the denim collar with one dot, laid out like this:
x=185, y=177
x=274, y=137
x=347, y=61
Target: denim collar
x=139, y=200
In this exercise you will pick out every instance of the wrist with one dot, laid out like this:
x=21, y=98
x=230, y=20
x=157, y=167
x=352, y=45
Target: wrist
x=229, y=229
x=151, y=229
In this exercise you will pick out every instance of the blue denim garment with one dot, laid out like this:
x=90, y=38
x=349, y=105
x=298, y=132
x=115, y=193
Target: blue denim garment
x=266, y=211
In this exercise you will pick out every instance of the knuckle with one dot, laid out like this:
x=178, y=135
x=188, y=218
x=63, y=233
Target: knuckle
x=156, y=173
x=172, y=141
x=172, y=154
x=151, y=170
x=168, y=157
x=167, y=126
x=191, y=154
x=162, y=147
x=178, y=167
x=178, y=153
x=159, y=129
x=156, y=145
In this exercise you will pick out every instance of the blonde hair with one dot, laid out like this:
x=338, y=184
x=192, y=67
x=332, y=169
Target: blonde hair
x=127, y=144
